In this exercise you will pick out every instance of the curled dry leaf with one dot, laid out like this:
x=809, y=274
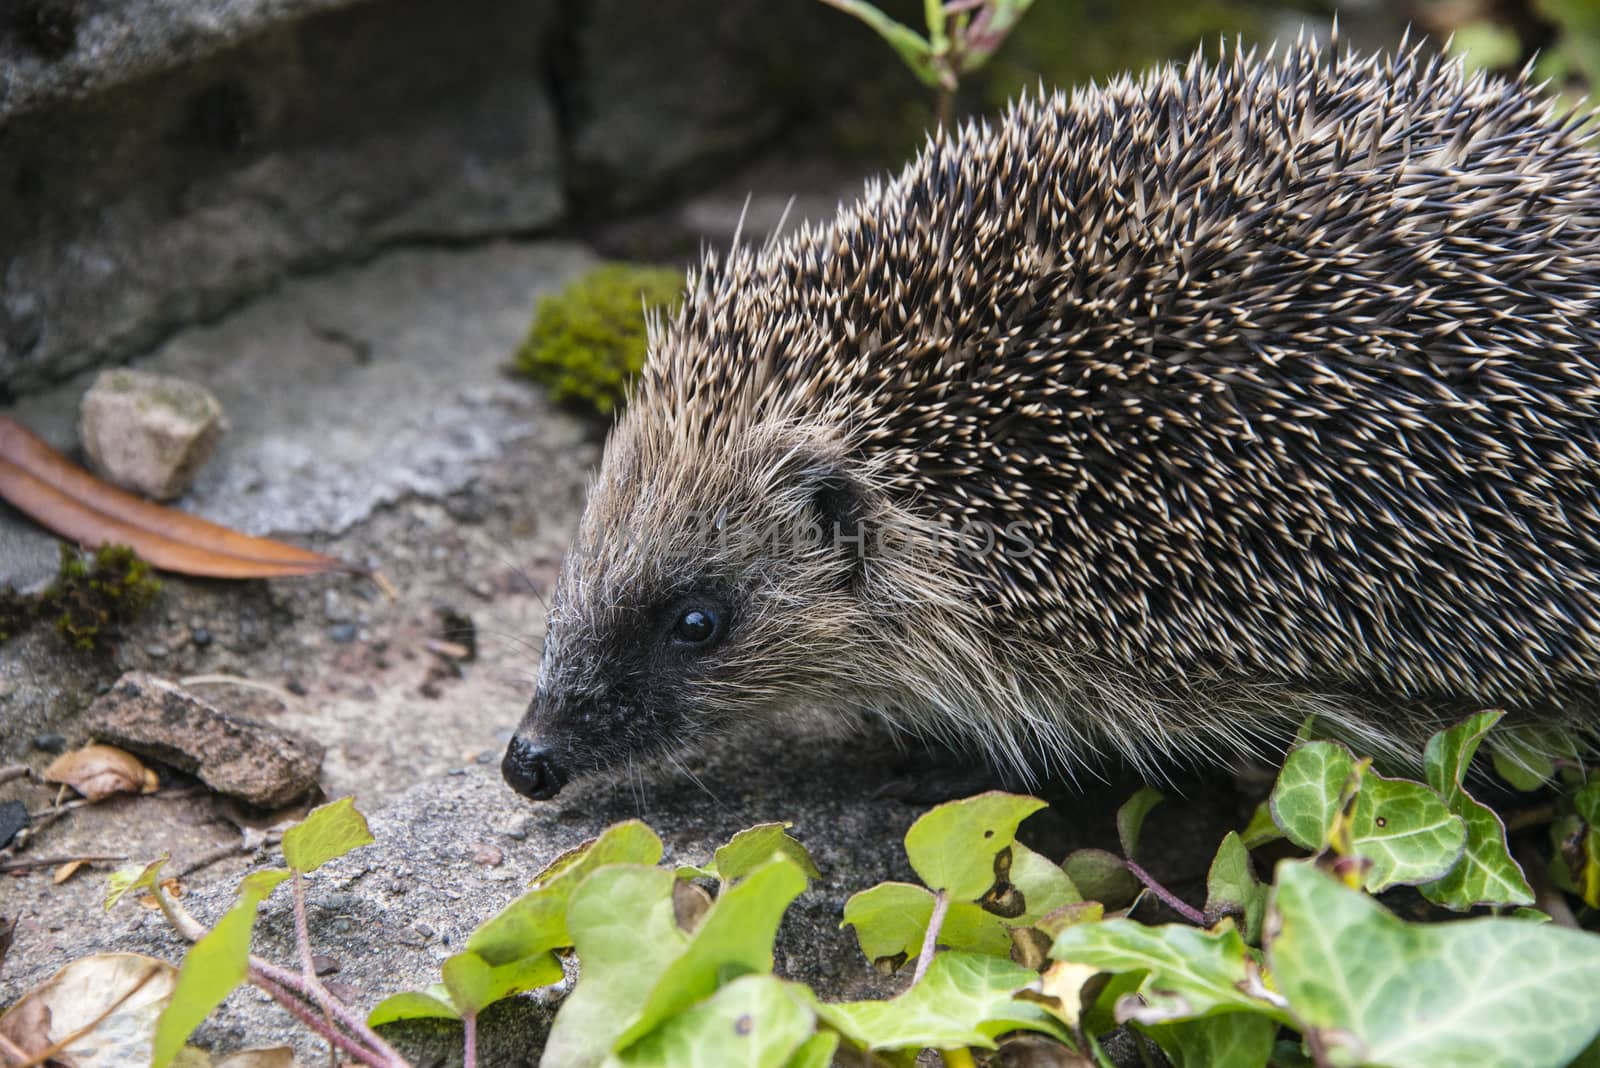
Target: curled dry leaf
x=66, y=499
x=68, y=870
x=98, y=771
x=117, y=996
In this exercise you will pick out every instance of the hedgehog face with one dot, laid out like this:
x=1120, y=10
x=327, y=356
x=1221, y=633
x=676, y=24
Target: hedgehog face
x=691, y=602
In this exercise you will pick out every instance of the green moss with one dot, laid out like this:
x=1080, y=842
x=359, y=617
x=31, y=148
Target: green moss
x=588, y=341
x=91, y=599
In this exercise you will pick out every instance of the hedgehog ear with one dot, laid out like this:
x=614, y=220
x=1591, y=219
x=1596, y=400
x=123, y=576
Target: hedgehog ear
x=838, y=505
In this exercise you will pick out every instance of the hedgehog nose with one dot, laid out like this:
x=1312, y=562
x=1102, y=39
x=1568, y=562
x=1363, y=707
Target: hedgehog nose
x=532, y=771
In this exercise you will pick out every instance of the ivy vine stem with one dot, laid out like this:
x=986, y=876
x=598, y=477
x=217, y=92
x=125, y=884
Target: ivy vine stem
x=1167, y=897
x=299, y=995
x=930, y=940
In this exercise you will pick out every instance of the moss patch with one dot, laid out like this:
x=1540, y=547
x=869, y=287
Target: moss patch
x=89, y=602
x=588, y=341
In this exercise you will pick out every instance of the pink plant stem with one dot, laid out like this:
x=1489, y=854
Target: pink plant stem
x=930, y=940
x=470, y=1055
x=1171, y=900
x=294, y=1006
x=341, y=1013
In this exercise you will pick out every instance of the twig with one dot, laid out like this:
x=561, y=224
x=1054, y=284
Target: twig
x=50, y=862
x=205, y=860
x=930, y=940
x=15, y=771
x=1167, y=897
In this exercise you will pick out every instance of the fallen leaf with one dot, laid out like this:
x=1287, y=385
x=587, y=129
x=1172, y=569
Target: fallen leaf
x=59, y=495
x=68, y=870
x=125, y=992
x=98, y=771
x=28, y=1026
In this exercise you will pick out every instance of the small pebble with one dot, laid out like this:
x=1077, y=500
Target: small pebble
x=155, y=650
x=488, y=756
x=422, y=929
x=200, y=636
x=50, y=742
x=343, y=633
x=324, y=965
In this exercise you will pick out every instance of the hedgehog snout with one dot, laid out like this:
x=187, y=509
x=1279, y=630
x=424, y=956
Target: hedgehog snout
x=532, y=770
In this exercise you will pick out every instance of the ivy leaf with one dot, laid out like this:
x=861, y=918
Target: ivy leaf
x=1405, y=830
x=1261, y=828
x=735, y=938
x=1486, y=874
x=537, y=921
x=1131, y=816
x=1522, y=754
x=1484, y=993
x=214, y=965
x=751, y=848
x=1305, y=800
x=626, y=934
x=414, y=1005
x=953, y=847
x=1102, y=876
x=891, y=920
x=1191, y=972
x=329, y=831
x=474, y=984
x=1232, y=889
x=965, y=999
x=756, y=1021
x=1231, y=1040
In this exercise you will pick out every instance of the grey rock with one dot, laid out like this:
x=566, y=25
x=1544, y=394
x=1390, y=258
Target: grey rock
x=256, y=763
x=184, y=156
x=149, y=433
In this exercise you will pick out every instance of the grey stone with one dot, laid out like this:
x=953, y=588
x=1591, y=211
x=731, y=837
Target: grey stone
x=149, y=433
x=189, y=155
x=262, y=765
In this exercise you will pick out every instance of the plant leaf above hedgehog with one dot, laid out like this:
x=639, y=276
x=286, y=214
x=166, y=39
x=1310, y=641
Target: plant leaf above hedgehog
x=588, y=341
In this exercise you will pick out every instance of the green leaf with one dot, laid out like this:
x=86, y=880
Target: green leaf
x=965, y=999
x=1102, y=876
x=1261, y=828
x=329, y=831
x=891, y=919
x=816, y=1051
x=1523, y=754
x=1486, y=874
x=749, y=849
x=1191, y=972
x=1232, y=889
x=537, y=921
x=211, y=969
x=474, y=983
x=411, y=1005
x=1130, y=818
x=1043, y=886
x=133, y=877
x=953, y=847
x=624, y=929
x=1231, y=1040
x=1405, y=830
x=1483, y=993
x=756, y=1021
x=734, y=938
x=1305, y=800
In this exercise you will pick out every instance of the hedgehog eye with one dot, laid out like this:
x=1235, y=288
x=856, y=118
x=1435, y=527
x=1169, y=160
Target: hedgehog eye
x=697, y=626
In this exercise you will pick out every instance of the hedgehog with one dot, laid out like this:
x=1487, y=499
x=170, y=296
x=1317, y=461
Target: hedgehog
x=1142, y=422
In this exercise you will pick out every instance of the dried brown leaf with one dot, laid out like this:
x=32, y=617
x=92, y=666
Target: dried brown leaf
x=66, y=499
x=67, y=871
x=99, y=771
